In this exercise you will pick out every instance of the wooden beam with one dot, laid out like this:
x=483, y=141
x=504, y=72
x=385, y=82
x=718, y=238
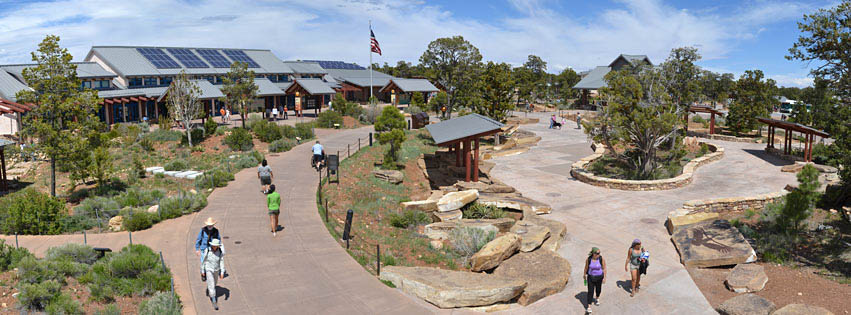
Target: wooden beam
x=134, y=99
x=108, y=101
x=476, y=162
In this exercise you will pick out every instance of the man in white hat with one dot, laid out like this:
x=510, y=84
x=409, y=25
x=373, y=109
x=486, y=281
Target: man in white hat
x=208, y=233
x=213, y=265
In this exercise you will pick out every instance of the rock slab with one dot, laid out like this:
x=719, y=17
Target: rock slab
x=545, y=272
x=515, y=202
x=391, y=176
x=746, y=304
x=746, y=278
x=711, y=244
x=557, y=231
x=443, y=230
x=494, y=252
x=683, y=217
x=450, y=289
x=802, y=309
x=420, y=205
x=532, y=235
x=450, y=216
x=456, y=200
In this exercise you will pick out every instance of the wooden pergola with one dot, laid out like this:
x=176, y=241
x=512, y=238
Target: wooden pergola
x=461, y=135
x=4, y=181
x=706, y=109
x=790, y=127
x=12, y=108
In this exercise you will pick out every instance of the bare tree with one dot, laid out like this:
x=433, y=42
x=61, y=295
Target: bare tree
x=183, y=103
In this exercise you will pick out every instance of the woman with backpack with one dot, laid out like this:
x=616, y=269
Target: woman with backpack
x=595, y=276
x=213, y=266
x=636, y=259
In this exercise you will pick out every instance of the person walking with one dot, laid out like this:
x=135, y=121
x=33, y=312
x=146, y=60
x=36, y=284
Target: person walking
x=213, y=263
x=222, y=113
x=208, y=233
x=594, y=276
x=633, y=263
x=578, y=121
x=264, y=173
x=227, y=115
x=273, y=202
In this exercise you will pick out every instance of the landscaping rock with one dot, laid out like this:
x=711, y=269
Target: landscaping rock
x=746, y=304
x=683, y=217
x=391, y=176
x=826, y=168
x=435, y=195
x=746, y=278
x=488, y=156
x=792, y=168
x=450, y=216
x=456, y=200
x=502, y=224
x=154, y=209
x=436, y=244
x=449, y=289
x=505, y=146
x=545, y=272
x=115, y=223
x=710, y=244
x=557, y=231
x=532, y=235
x=447, y=189
x=154, y=168
x=802, y=309
x=421, y=205
x=528, y=140
x=479, y=186
x=443, y=230
x=515, y=202
x=494, y=252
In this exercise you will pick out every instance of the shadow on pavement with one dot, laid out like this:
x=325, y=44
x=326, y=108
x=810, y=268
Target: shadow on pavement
x=774, y=160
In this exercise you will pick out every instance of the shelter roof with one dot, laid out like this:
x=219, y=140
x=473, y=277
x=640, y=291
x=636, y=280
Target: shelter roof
x=410, y=85
x=788, y=125
x=456, y=129
x=595, y=79
x=312, y=86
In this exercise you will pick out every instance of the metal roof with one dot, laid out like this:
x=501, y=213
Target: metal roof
x=267, y=88
x=315, y=86
x=345, y=74
x=4, y=142
x=411, y=85
x=595, y=79
x=208, y=90
x=364, y=82
x=84, y=70
x=283, y=85
x=458, y=128
x=634, y=60
x=333, y=64
x=305, y=67
x=788, y=125
x=9, y=86
x=128, y=62
x=147, y=92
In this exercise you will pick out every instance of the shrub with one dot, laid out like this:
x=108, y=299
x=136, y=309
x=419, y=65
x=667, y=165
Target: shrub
x=163, y=135
x=197, y=135
x=328, y=118
x=79, y=253
x=162, y=303
x=177, y=165
x=477, y=210
x=467, y=241
x=210, y=127
x=65, y=305
x=267, y=131
x=137, y=221
x=180, y=204
x=253, y=118
x=288, y=131
x=304, y=131
x=391, y=127
x=37, y=296
x=239, y=139
x=136, y=197
x=111, y=309
x=246, y=161
x=221, y=130
x=138, y=169
x=369, y=115
x=135, y=270
x=213, y=178
x=409, y=218
x=282, y=145
x=10, y=256
x=31, y=212
x=31, y=270
x=698, y=119
x=147, y=144
x=101, y=167
x=98, y=207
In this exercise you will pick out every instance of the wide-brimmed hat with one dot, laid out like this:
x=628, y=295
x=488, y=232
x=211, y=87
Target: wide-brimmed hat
x=215, y=242
x=210, y=221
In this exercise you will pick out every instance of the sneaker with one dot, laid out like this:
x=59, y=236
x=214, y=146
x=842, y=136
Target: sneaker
x=203, y=277
x=274, y=234
x=215, y=306
x=588, y=310
x=597, y=301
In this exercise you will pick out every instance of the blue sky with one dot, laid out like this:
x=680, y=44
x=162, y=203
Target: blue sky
x=732, y=36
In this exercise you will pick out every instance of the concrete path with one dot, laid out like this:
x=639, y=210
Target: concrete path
x=611, y=219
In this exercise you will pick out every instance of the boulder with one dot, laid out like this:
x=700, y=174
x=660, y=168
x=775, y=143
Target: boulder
x=115, y=223
x=792, y=168
x=456, y=200
x=505, y=146
x=746, y=304
x=746, y=278
x=449, y=216
x=435, y=195
x=712, y=243
x=450, y=289
x=826, y=168
x=494, y=252
x=557, y=231
x=532, y=235
x=682, y=217
x=802, y=309
x=154, y=209
x=502, y=224
x=545, y=272
x=420, y=205
x=391, y=176
x=528, y=140
x=479, y=186
x=436, y=244
x=443, y=230
x=515, y=202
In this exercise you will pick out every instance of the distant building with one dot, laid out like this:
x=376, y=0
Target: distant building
x=594, y=79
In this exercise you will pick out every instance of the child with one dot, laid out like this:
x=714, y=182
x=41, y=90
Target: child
x=273, y=202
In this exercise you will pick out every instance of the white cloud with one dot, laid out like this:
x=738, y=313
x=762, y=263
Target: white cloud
x=792, y=80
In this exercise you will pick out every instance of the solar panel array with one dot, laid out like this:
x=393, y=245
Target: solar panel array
x=187, y=58
x=214, y=57
x=158, y=58
x=239, y=55
x=328, y=64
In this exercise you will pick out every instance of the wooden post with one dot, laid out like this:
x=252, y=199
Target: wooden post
x=3, y=179
x=808, y=154
x=467, y=160
x=476, y=162
x=712, y=124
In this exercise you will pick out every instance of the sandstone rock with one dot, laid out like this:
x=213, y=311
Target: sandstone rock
x=545, y=272
x=516, y=202
x=746, y=278
x=390, y=176
x=528, y=140
x=435, y=195
x=494, y=252
x=448, y=189
x=420, y=205
x=154, y=209
x=502, y=224
x=532, y=235
x=557, y=231
x=449, y=289
x=436, y=244
x=115, y=223
x=511, y=152
x=682, y=217
x=456, y=200
x=802, y=309
x=746, y=304
x=792, y=168
x=479, y=186
x=712, y=243
x=443, y=230
x=505, y=146
x=449, y=216
x=193, y=191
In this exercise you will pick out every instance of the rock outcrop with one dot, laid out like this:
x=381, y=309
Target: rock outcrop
x=545, y=272
x=746, y=278
x=450, y=289
x=391, y=176
x=532, y=235
x=456, y=200
x=802, y=309
x=494, y=252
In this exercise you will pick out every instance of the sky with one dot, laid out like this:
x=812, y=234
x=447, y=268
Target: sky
x=732, y=36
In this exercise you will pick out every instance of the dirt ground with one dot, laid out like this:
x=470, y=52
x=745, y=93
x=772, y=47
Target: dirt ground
x=77, y=291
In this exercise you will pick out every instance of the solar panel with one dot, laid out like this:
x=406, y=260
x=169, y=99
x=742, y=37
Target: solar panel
x=187, y=58
x=214, y=57
x=239, y=55
x=158, y=58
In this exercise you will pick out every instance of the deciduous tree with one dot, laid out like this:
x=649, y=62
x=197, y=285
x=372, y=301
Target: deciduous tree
x=183, y=103
x=239, y=88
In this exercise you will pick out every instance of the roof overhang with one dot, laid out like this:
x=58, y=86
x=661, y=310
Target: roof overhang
x=787, y=125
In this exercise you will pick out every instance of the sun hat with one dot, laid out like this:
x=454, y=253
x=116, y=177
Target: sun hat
x=216, y=242
x=210, y=221
x=594, y=250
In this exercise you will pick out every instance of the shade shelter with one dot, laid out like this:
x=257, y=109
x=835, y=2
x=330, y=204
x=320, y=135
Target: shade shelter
x=790, y=127
x=4, y=181
x=11, y=114
x=312, y=91
x=131, y=105
x=706, y=109
x=407, y=87
x=459, y=134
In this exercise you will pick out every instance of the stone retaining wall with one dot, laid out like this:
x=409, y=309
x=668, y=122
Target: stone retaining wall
x=725, y=205
x=724, y=137
x=578, y=171
x=779, y=153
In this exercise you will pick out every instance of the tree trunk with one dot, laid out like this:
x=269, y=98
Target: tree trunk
x=242, y=113
x=188, y=133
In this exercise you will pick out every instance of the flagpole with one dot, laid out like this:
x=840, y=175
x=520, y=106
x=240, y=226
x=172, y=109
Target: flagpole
x=370, y=62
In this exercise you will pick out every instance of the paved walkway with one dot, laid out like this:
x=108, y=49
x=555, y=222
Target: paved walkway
x=611, y=219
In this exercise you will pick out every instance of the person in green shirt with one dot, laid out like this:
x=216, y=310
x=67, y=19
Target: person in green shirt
x=273, y=201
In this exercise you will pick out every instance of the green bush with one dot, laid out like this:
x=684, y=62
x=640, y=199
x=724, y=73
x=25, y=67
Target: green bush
x=162, y=135
x=267, y=131
x=221, y=130
x=288, y=131
x=477, y=210
x=467, y=241
x=31, y=212
x=257, y=155
x=328, y=118
x=138, y=220
x=180, y=204
x=10, y=256
x=177, y=165
x=98, y=207
x=32, y=270
x=111, y=309
x=136, y=197
x=216, y=177
x=245, y=161
x=210, y=127
x=65, y=305
x=197, y=135
x=147, y=144
x=253, y=118
x=135, y=270
x=304, y=131
x=36, y=296
x=391, y=127
x=162, y=303
x=239, y=139
x=409, y=218
x=282, y=145
x=79, y=253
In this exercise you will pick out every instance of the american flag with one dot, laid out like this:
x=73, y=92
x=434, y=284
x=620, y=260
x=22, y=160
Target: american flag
x=373, y=43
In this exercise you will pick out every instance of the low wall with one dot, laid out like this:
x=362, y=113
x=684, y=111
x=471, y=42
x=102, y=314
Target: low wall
x=578, y=171
x=724, y=137
x=779, y=153
x=725, y=205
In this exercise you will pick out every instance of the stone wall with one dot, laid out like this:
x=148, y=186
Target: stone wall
x=779, y=153
x=578, y=171
x=726, y=205
x=724, y=137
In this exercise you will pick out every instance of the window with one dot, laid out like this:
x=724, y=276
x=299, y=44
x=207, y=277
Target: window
x=134, y=82
x=86, y=84
x=151, y=81
x=165, y=80
x=210, y=78
x=101, y=84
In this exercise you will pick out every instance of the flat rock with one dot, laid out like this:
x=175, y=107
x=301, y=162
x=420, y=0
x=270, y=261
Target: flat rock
x=502, y=224
x=746, y=278
x=528, y=140
x=746, y=304
x=170, y=173
x=186, y=174
x=682, y=217
x=712, y=243
x=802, y=309
x=456, y=200
x=792, y=168
x=435, y=195
x=448, y=216
x=532, y=235
x=420, y=205
x=390, y=176
x=557, y=231
x=510, y=143
x=115, y=223
x=443, y=230
x=515, y=202
x=153, y=168
x=485, y=187
x=158, y=171
x=511, y=152
x=449, y=289
x=194, y=176
x=494, y=252
x=154, y=209
x=545, y=272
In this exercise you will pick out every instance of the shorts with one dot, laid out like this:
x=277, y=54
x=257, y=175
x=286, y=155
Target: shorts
x=633, y=267
x=265, y=180
x=271, y=212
